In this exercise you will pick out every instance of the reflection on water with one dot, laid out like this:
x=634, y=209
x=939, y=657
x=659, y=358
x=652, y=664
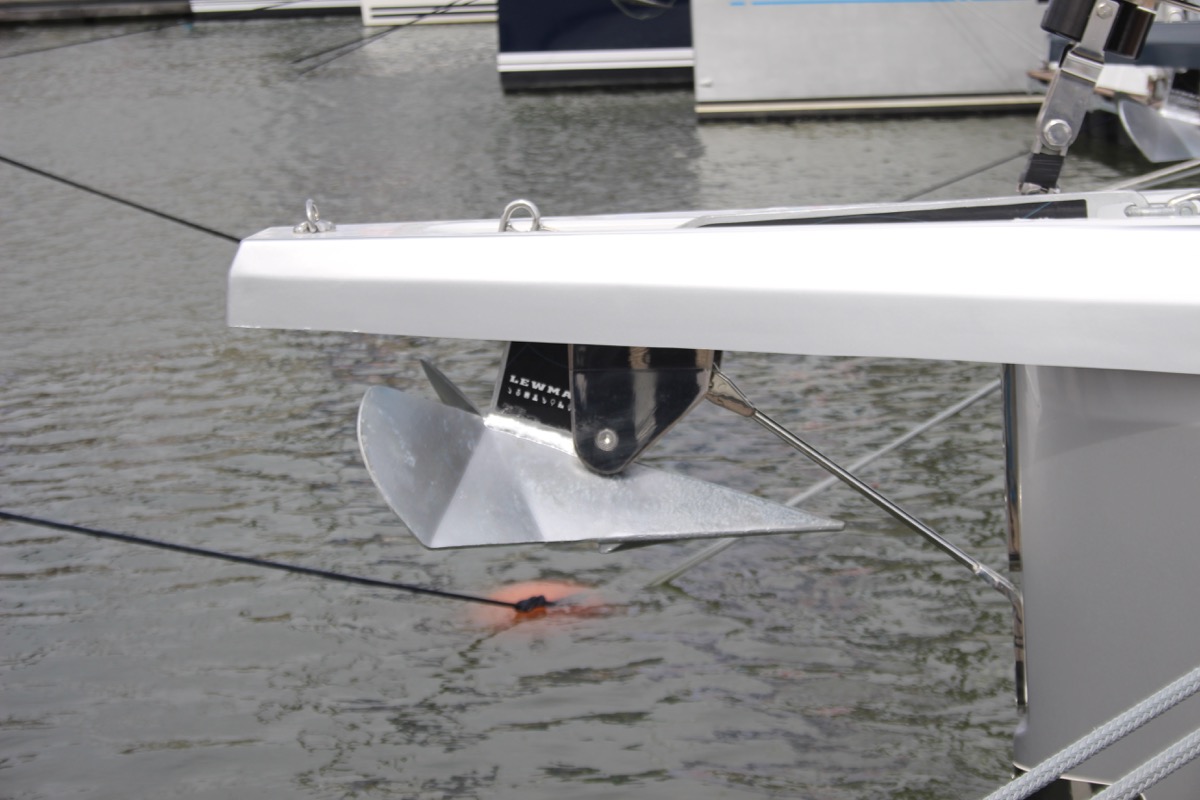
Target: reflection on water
x=851, y=665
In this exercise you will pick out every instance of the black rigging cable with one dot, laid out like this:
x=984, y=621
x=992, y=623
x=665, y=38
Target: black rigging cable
x=528, y=604
x=964, y=176
x=96, y=39
x=349, y=47
x=107, y=196
x=343, y=49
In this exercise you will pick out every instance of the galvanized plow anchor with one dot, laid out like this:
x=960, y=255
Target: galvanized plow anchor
x=512, y=476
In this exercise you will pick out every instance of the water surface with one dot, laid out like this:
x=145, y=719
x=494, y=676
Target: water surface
x=861, y=664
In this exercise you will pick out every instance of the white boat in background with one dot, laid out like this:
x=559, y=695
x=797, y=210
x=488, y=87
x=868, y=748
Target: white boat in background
x=373, y=12
x=772, y=57
x=550, y=44
x=1086, y=303
x=249, y=8
x=767, y=57
x=411, y=12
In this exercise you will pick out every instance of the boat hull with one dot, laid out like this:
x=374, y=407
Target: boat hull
x=1102, y=482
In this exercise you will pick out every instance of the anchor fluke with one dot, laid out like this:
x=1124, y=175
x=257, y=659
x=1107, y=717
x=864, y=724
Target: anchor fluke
x=457, y=481
x=1168, y=133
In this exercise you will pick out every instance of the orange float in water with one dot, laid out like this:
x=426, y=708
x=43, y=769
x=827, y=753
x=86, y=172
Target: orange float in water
x=562, y=597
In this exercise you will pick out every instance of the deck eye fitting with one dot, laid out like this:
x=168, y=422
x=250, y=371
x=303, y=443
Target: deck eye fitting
x=313, y=222
x=528, y=207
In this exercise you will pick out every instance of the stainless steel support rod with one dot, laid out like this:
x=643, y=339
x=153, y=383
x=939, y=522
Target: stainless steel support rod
x=724, y=393
x=721, y=545
x=1183, y=169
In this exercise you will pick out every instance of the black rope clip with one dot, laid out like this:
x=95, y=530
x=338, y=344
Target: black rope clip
x=532, y=603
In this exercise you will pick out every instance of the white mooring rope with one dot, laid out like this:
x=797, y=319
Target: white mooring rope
x=1115, y=729
x=1154, y=770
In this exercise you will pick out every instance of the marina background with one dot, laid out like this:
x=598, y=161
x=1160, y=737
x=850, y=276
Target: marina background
x=852, y=665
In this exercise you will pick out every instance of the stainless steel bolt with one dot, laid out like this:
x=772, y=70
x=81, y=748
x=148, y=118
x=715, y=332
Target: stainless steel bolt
x=606, y=440
x=1057, y=132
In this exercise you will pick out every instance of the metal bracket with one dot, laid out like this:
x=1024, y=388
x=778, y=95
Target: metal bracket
x=1185, y=205
x=1067, y=101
